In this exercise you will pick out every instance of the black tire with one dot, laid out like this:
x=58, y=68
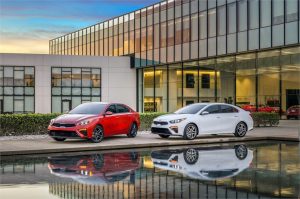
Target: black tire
x=191, y=156
x=164, y=136
x=59, y=139
x=288, y=117
x=241, y=151
x=241, y=129
x=190, y=132
x=133, y=131
x=98, y=161
x=98, y=134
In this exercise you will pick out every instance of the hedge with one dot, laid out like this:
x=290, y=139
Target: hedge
x=265, y=119
x=36, y=124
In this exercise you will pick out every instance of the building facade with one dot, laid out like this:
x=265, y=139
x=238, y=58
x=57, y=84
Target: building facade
x=55, y=83
x=243, y=52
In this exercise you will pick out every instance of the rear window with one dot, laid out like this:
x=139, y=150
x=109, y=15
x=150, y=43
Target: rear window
x=122, y=109
x=228, y=109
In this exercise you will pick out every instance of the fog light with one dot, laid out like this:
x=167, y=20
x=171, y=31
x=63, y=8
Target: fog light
x=174, y=128
x=83, y=132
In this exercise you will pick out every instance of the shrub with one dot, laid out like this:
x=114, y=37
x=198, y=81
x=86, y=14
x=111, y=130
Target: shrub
x=24, y=124
x=265, y=119
x=36, y=124
x=146, y=120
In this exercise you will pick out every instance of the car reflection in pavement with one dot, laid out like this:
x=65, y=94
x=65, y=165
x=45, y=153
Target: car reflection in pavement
x=204, y=164
x=96, y=168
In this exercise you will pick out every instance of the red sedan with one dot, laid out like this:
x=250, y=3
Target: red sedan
x=94, y=121
x=293, y=112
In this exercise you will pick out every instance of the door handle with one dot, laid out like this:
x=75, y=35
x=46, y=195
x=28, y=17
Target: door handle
x=236, y=116
x=218, y=117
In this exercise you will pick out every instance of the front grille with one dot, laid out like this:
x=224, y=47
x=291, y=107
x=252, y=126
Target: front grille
x=63, y=125
x=160, y=131
x=66, y=134
x=160, y=123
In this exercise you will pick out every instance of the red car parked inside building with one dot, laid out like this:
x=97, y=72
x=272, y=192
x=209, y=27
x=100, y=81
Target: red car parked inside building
x=293, y=112
x=94, y=121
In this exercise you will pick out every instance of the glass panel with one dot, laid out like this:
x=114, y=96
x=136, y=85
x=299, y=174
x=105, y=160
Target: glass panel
x=221, y=45
x=29, y=104
x=265, y=13
x=231, y=43
x=76, y=91
x=194, y=27
x=253, y=39
x=268, y=80
x=253, y=14
x=19, y=91
x=149, y=102
x=242, y=15
x=245, y=80
x=225, y=70
x=8, y=76
x=278, y=33
x=207, y=80
x=161, y=82
x=291, y=33
x=56, y=104
x=203, y=48
x=8, y=90
x=242, y=41
x=290, y=73
x=18, y=106
x=175, y=87
x=231, y=17
x=18, y=78
x=212, y=23
x=291, y=10
x=265, y=37
x=211, y=46
x=203, y=25
x=190, y=83
x=222, y=20
x=186, y=29
x=278, y=15
x=8, y=104
x=86, y=91
x=29, y=91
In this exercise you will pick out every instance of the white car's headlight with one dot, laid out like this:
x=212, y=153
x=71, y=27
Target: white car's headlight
x=177, y=120
x=84, y=122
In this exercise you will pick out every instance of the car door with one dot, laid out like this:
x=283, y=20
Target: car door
x=210, y=123
x=111, y=122
x=124, y=118
x=229, y=118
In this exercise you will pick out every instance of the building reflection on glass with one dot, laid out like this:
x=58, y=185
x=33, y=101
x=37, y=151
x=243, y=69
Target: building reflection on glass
x=255, y=170
x=230, y=172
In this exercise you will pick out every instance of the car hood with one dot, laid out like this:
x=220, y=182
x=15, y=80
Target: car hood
x=73, y=118
x=173, y=116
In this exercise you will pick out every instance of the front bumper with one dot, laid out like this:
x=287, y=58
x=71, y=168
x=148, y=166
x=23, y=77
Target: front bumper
x=169, y=129
x=69, y=132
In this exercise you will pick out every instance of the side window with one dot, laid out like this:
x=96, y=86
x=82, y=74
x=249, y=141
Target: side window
x=122, y=109
x=228, y=109
x=112, y=108
x=212, y=109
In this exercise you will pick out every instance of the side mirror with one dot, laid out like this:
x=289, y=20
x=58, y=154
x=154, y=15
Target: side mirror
x=204, y=113
x=108, y=113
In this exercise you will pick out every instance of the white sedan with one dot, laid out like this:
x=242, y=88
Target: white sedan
x=203, y=118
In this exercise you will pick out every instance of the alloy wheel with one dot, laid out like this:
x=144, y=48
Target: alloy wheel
x=191, y=156
x=133, y=131
x=98, y=134
x=241, y=129
x=191, y=131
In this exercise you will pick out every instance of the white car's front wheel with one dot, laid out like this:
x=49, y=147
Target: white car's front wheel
x=190, y=132
x=240, y=129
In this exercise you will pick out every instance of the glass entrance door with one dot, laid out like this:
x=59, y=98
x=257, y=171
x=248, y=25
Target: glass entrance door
x=66, y=106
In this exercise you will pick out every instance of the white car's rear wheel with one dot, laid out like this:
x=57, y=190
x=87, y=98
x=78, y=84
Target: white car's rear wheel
x=240, y=129
x=190, y=132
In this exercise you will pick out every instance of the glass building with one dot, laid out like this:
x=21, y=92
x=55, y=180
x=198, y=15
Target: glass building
x=243, y=52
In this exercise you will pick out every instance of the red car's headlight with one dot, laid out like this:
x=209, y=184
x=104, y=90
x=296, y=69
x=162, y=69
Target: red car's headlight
x=84, y=122
x=51, y=122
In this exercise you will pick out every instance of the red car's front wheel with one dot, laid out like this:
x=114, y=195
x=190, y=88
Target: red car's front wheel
x=98, y=134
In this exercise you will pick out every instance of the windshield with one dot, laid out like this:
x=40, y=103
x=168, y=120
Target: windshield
x=89, y=109
x=191, y=109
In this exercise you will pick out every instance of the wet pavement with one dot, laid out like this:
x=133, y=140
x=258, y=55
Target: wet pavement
x=265, y=169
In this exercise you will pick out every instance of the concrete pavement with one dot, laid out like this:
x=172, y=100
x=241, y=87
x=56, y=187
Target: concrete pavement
x=286, y=131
